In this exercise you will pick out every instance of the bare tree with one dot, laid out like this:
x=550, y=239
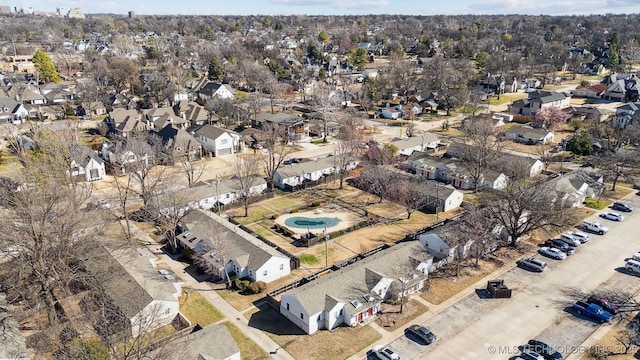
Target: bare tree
x=377, y=180
x=193, y=167
x=167, y=208
x=347, y=150
x=145, y=175
x=480, y=148
x=523, y=207
x=213, y=256
x=274, y=150
x=245, y=178
x=617, y=165
x=407, y=191
x=474, y=226
x=325, y=101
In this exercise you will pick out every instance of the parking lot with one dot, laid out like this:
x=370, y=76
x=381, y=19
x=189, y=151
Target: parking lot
x=484, y=328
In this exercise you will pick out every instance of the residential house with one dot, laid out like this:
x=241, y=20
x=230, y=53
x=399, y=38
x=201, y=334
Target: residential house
x=29, y=95
x=428, y=166
x=246, y=256
x=159, y=121
x=627, y=114
x=622, y=87
x=86, y=164
x=219, y=192
x=177, y=94
x=46, y=112
x=198, y=345
x=317, y=124
x=574, y=187
x=390, y=113
x=213, y=90
x=293, y=176
x=193, y=113
x=420, y=142
x=595, y=91
x=442, y=252
x=538, y=100
x=217, y=141
x=590, y=113
x=296, y=128
x=126, y=123
x=12, y=111
x=440, y=197
x=146, y=296
x=91, y=109
x=177, y=143
x=353, y=295
x=507, y=163
x=529, y=135
x=119, y=157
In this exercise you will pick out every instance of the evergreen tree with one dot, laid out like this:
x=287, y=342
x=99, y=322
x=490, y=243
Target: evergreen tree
x=47, y=71
x=216, y=70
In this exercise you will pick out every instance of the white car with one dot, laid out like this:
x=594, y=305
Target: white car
x=580, y=236
x=385, y=353
x=570, y=239
x=103, y=204
x=594, y=227
x=610, y=215
x=533, y=263
x=552, y=253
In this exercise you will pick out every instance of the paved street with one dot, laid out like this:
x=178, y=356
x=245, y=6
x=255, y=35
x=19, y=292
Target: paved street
x=475, y=328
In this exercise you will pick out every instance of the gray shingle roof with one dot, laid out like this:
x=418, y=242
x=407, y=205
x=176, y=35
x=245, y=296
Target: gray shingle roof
x=528, y=132
x=211, y=343
x=239, y=245
x=305, y=167
x=354, y=281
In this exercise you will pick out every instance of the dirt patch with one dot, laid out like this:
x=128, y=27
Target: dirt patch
x=609, y=344
x=390, y=318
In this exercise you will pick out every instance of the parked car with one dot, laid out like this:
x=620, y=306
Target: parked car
x=529, y=355
x=604, y=303
x=547, y=351
x=103, y=204
x=580, y=236
x=610, y=215
x=570, y=239
x=425, y=335
x=592, y=311
x=633, y=266
x=620, y=206
x=636, y=256
x=594, y=227
x=559, y=244
x=533, y=263
x=385, y=353
x=552, y=253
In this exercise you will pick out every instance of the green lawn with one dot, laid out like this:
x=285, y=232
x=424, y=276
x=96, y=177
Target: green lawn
x=199, y=310
x=256, y=213
x=248, y=348
x=308, y=259
x=282, y=203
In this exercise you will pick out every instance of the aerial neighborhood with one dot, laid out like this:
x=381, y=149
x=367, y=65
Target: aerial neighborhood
x=318, y=187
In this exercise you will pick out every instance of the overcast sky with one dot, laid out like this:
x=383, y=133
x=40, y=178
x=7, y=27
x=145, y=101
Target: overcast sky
x=338, y=7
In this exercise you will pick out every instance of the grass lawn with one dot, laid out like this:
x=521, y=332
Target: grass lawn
x=256, y=213
x=248, y=348
x=239, y=301
x=309, y=259
x=442, y=289
x=199, y=310
x=506, y=98
x=280, y=204
x=391, y=319
x=595, y=204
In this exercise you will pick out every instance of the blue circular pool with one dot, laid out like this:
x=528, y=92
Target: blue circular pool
x=303, y=222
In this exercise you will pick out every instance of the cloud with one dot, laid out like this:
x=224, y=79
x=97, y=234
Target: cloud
x=558, y=7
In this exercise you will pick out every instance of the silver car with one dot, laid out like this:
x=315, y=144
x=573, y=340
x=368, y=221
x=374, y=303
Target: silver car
x=533, y=263
x=610, y=215
x=553, y=253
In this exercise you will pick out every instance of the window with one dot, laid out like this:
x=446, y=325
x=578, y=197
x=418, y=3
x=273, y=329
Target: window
x=281, y=266
x=224, y=141
x=264, y=273
x=94, y=173
x=287, y=306
x=167, y=311
x=340, y=313
x=302, y=316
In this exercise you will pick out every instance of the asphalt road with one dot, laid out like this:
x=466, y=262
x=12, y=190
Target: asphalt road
x=481, y=328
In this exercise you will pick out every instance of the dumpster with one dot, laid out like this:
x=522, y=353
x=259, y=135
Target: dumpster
x=497, y=289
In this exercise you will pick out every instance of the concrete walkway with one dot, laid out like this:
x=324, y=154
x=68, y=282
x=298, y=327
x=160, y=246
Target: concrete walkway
x=230, y=313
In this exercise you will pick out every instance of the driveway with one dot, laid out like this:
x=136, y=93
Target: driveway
x=477, y=328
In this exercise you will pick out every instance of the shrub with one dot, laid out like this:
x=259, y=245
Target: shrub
x=595, y=204
x=256, y=287
x=275, y=216
x=241, y=285
x=315, y=203
x=294, y=210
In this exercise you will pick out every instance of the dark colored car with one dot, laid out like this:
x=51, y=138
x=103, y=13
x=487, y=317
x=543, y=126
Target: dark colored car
x=557, y=243
x=425, y=335
x=622, y=207
x=605, y=304
x=547, y=351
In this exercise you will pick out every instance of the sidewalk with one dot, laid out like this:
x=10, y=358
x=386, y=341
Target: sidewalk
x=231, y=314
